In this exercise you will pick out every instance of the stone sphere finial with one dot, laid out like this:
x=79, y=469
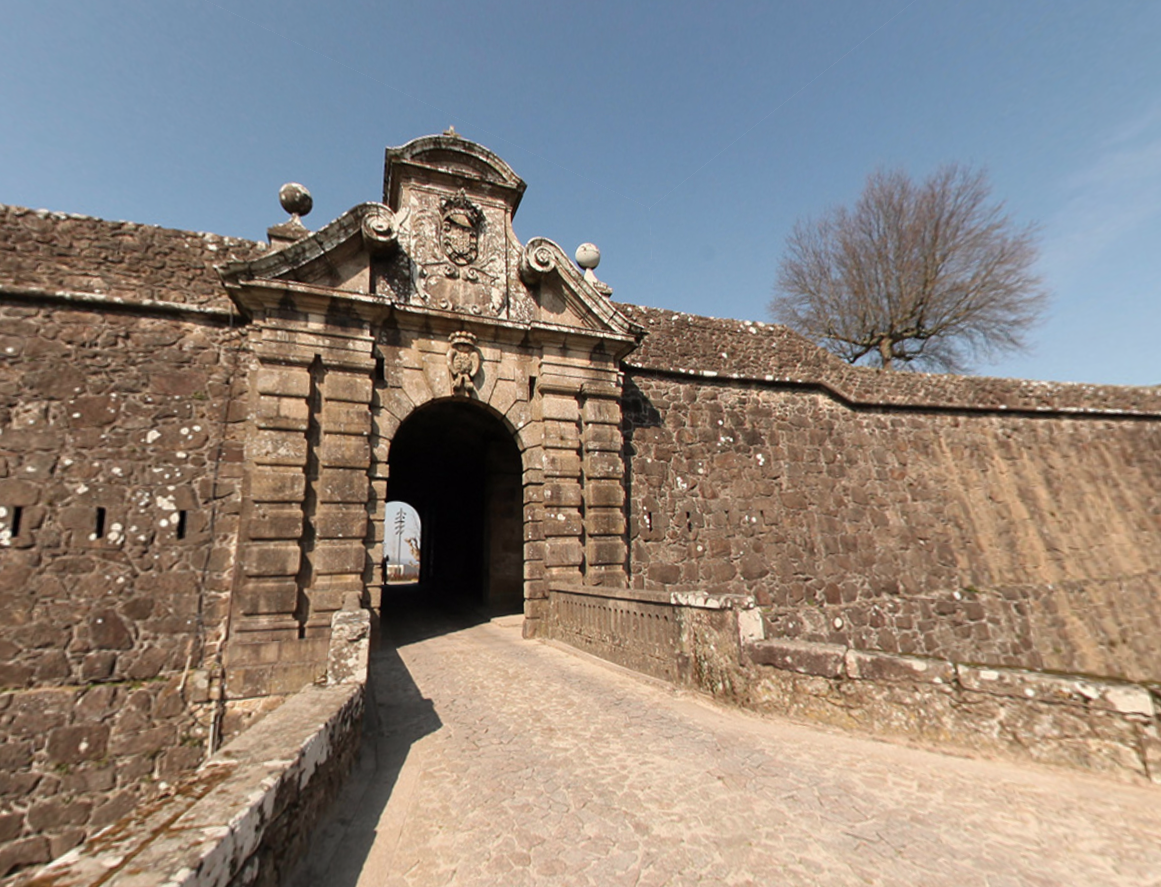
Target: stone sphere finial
x=295, y=199
x=588, y=256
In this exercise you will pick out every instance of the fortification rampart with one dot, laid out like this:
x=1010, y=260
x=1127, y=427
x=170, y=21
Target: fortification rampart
x=1011, y=540
x=198, y=436
x=119, y=497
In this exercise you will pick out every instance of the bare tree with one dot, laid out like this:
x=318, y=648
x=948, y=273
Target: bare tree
x=924, y=274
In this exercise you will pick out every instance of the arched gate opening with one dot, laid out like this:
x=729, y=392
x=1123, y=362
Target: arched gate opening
x=459, y=467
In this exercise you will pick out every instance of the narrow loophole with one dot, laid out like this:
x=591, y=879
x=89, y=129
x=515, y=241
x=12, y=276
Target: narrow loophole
x=531, y=387
x=380, y=368
x=17, y=515
x=99, y=531
x=181, y=515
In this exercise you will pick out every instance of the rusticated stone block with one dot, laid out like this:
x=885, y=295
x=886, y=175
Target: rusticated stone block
x=345, y=450
x=283, y=381
x=15, y=755
x=561, y=409
x=561, y=435
x=148, y=742
x=561, y=463
x=271, y=523
x=113, y=809
x=753, y=566
x=247, y=682
x=271, y=559
x=602, y=410
x=563, y=494
x=342, y=485
x=823, y=660
x=562, y=523
x=339, y=417
x=349, y=387
x=604, y=465
x=283, y=407
x=339, y=557
x=604, y=522
x=277, y=448
x=605, y=438
x=563, y=552
x=604, y=552
x=259, y=598
x=606, y=576
x=277, y=486
x=340, y=523
x=605, y=494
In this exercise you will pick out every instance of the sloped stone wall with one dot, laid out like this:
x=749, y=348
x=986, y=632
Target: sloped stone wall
x=248, y=814
x=1011, y=539
x=119, y=498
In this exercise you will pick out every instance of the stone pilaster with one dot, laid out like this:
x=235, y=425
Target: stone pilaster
x=304, y=529
x=604, y=491
x=340, y=560
x=562, y=492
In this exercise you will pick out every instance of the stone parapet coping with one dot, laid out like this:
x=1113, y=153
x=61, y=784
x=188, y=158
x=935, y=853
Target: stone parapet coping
x=885, y=395
x=249, y=804
x=204, y=834
x=835, y=661
x=746, y=352
x=1090, y=723
x=105, y=302
x=698, y=600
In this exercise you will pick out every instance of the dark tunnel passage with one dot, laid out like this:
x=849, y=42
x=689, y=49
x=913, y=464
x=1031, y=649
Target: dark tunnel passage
x=459, y=467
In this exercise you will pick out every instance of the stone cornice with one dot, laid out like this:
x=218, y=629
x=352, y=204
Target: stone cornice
x=104, y=302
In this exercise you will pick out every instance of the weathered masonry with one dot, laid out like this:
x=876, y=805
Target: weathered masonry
x=198, y=436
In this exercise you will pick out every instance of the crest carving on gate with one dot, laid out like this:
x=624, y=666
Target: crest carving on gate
x=460, y=229
x=463, y=362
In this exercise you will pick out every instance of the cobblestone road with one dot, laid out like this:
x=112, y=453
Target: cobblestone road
x=492, y=760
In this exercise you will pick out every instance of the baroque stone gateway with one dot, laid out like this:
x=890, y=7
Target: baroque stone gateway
x=198, y=436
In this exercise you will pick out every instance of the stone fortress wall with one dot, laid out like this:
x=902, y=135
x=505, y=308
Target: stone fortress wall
x=189, y=491
x=120, y=469
x=999, y=523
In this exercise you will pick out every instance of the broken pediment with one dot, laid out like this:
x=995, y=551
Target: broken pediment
x=441, y=242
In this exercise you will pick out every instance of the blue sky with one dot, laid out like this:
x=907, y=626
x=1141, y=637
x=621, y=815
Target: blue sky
x=684, y=139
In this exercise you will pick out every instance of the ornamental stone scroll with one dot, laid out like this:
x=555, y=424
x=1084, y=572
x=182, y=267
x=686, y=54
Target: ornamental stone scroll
x=535, y=262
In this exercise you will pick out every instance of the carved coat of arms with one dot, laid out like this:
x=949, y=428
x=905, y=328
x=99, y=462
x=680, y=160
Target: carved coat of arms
x=463, y=362
x=460, y=229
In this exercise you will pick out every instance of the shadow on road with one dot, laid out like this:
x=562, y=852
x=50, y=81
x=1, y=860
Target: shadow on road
x=397, y=716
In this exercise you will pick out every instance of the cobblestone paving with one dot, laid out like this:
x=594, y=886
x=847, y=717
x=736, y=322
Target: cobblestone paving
x=534, y=765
